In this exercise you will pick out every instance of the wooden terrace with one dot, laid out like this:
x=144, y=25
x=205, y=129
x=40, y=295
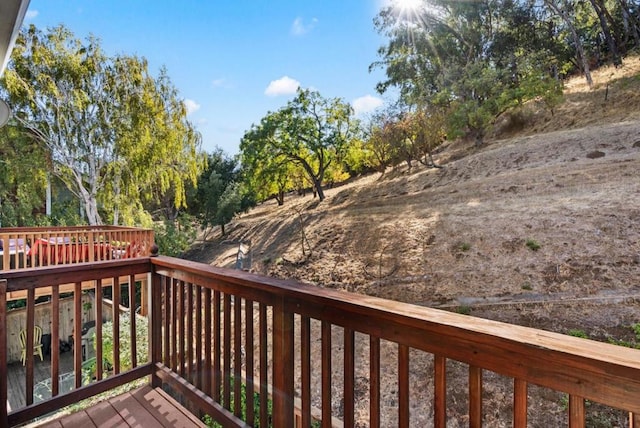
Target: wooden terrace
x=310, y=354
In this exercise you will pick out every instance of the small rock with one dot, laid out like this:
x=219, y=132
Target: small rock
x=595, y=154
x=636, y=144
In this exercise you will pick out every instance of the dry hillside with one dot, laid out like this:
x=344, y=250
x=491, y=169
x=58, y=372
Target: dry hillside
x=539, y=227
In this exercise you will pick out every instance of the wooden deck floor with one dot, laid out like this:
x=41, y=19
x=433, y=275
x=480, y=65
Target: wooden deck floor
x=16, y=375
x=145, y=407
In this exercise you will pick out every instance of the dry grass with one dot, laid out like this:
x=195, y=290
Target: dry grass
x=457, y=236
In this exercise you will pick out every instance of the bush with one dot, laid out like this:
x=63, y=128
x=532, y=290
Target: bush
x=142, y=342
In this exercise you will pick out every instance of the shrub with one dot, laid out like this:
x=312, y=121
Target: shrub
x=532, y=244
x=142, y=341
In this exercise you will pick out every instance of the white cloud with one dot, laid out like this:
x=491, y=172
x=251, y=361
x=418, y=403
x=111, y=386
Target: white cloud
x=298, y=28
x=283, y=86
x=31, y=14
x=366, y=104
x=220, y=83
x=191, y=106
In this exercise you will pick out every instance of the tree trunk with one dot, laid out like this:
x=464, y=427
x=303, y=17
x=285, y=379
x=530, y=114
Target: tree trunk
x=630, y=23
x=582, y=59
x=317, y=185
x=280, y=198
x=599, y=7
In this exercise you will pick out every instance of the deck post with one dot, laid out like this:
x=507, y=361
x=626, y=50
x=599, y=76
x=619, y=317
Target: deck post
x=3, y=354
x=283, y=364
x=155, y=319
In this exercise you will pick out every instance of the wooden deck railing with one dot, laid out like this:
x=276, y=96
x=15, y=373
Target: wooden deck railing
x=24, y=247
x=216, y=333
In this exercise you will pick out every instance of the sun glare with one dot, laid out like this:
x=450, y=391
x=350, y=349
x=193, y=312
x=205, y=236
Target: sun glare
x=408, y=5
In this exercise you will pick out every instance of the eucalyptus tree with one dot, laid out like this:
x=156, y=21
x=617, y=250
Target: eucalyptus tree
x=23, y=178
x=116, y=136
x=310, y=131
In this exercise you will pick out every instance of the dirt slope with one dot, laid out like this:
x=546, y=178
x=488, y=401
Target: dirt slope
x=457, y=235
x=540, y=227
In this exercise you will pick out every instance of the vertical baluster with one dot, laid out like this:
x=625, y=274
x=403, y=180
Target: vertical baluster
x=175, y=316
x=116, y=324
x=99, y=338
x=326, y=373
x=264, y=392
x=576, y=412
x=31, y=300
x=283, y=366
x=248, y=352
x=6, y=262
x=519, y=403
x=237, y=355
x=349, y=377
x=403, y=386
x=217, y=322
x=55, y=340
x=3, y=353
x=155, y=321
x=198, y=333
x=374, y=382
x=634, y=420
x=92, y=246
x=440, y=391
x=208, y=371
x=77, y=330
x=132, y=315
x=305, y=366
x=181, y=329
x=475, y=397
x=226, y=351
x=168, y=320
x=190, y=333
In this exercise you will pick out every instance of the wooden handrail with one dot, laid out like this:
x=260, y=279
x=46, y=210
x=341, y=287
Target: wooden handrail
x=583, y=369
x=215, y=332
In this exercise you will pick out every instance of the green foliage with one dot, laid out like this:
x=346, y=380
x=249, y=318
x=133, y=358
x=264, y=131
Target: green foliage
x=22, y=190
x=532, y=244
x=629, y=344
x=479, y=59
x=174, y=237
x=464, y=310
x=578, y=333
x=208, y=420
x=142, y=342
x=465, y=246
x=219, y=194
x=310, y=133
x=116, y=136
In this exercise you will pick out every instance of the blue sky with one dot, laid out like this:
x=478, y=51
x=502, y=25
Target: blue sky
x=234, y=61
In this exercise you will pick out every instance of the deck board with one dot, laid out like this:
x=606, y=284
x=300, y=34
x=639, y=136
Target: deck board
x=16, y=375
x=144, y=407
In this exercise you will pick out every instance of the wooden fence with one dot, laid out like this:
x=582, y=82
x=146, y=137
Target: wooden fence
x=24, y=247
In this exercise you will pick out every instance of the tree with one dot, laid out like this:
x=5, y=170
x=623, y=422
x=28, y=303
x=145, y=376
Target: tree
x=116, y=136
x=267, y=174
x=218, y=195
x=22, y=189
x=466, y=58
x=310, y=131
